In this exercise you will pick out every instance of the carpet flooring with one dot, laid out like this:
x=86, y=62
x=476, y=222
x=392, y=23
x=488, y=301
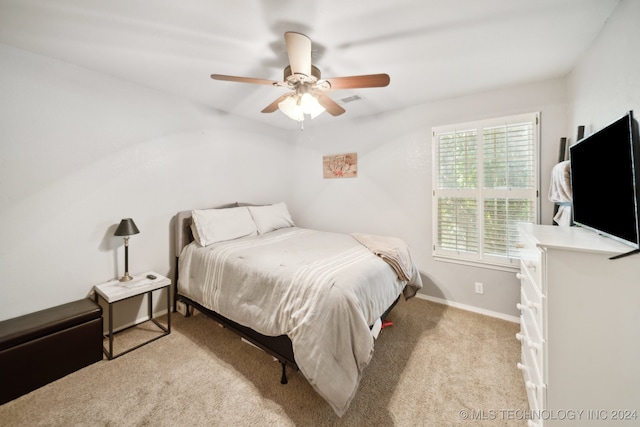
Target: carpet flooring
x=437, y=366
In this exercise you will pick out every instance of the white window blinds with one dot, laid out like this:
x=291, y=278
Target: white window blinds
x=485, y=182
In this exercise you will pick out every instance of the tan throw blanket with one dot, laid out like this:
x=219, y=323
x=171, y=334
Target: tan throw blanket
x=392, y=250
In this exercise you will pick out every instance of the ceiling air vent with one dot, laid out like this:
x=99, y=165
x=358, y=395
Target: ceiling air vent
x=350, y=99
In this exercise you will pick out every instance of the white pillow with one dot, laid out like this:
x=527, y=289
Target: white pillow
x=217, y=225
x=269, y=218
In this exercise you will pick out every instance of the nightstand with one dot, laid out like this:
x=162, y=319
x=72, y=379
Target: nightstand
x=115, y=291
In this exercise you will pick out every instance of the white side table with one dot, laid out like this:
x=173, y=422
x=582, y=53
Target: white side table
x=114, y=291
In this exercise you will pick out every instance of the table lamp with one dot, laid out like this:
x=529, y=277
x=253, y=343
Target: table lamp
x=126, y=228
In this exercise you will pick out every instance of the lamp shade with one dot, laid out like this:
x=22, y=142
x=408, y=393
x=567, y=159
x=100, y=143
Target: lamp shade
x=310, y=105
x=126, y=228
x=291, y=108
x=297, y=105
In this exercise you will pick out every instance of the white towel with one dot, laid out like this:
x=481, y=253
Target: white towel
x=560, y=192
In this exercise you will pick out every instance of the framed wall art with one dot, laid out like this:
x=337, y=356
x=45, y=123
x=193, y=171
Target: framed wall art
x=340, y=166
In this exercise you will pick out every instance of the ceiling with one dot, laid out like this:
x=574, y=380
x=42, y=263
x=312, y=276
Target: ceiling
x=432, y=49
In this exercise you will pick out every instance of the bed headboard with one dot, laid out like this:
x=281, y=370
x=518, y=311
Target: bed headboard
x=184, y=236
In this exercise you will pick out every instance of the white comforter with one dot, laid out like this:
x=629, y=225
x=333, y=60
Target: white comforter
x=321, y=289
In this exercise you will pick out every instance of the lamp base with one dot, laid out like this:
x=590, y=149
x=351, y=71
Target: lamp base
x=126, y=277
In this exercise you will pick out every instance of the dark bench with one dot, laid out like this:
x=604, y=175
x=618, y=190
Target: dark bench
x=41, y=347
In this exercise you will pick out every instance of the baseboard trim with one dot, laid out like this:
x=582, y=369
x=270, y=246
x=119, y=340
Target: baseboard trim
x=471, y=308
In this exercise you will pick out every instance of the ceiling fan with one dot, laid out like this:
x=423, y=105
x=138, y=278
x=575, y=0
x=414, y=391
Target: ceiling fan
x=308, y=91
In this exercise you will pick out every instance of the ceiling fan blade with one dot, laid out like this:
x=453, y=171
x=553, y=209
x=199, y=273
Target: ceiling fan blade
x=330, y=105
x=355, y=82
x=299, y=51
x=274, y=105
x=244, y=80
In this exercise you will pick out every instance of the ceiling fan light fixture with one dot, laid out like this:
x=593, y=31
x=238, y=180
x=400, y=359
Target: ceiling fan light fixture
x=309, y=92
x=296, y=106
x=310, y=105
x=291, y=108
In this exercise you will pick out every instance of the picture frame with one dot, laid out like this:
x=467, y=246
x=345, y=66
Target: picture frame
x=340, y=166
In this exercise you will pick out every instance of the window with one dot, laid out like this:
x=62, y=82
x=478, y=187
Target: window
x=485, y=180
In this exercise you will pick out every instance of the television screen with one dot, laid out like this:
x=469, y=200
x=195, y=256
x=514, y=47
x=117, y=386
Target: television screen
x=604, y=175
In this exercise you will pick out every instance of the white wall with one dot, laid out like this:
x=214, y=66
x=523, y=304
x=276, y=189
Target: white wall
x=605, y=83
x=81, y=150
x=392, y=193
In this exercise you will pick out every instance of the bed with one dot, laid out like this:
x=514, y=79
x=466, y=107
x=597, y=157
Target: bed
x=309, y=298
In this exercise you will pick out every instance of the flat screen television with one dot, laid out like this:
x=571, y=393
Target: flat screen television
x=605, y=179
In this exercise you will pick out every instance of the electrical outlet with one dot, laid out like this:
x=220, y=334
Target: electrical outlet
x=479, y=288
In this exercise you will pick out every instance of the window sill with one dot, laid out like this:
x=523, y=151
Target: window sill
x=514, y=268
